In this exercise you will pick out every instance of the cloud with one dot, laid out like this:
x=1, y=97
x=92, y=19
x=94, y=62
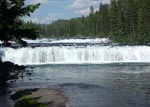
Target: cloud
x=105, y=1
x=83, y=11
x=35, y=20
x=42, y=1
x=38, y=1
x=78, y=4
x=51, y=17
x=83, y=6
x=61, y=9
x=48, y=19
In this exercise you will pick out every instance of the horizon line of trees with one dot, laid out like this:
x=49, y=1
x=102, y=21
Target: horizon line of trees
x=124, y=21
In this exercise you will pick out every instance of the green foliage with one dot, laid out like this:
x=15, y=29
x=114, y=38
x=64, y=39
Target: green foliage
x=11, y=12
x=85, y=26
x=129, y=19
x=22, y=100
x=21, y=93
x=124, y=21
x=28, y=102
x=144, y=22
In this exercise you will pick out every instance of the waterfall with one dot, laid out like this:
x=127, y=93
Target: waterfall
x=72, y=54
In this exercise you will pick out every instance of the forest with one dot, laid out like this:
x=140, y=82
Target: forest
x=123, y=21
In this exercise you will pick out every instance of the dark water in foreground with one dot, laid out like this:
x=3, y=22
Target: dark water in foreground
x=110, y=85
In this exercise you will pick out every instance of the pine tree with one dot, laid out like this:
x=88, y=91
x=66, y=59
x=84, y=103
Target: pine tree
x=104, y=20
x=92, y=22
x=144, y=23
x=11, y=12
x=115, y=20
x=125, y=21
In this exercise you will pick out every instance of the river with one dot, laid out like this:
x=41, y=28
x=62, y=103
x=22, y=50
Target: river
x=91, y=75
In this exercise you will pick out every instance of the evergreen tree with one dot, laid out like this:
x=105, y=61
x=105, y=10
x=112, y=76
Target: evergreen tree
x=104, y=20
x=91, y=20
x=115, y=21
x=125, y=21
x=11, y=12
x=144, y=23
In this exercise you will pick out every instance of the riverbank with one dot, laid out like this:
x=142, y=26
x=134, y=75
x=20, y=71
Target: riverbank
x=9, y=71
x=41, y=97
x=31, y=97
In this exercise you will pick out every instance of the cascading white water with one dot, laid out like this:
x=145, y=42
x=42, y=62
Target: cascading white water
x=49, y=40
x=64, y=54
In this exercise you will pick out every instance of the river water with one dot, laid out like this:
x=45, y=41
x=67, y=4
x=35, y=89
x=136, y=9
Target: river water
x=121, y=79
x=110, y=85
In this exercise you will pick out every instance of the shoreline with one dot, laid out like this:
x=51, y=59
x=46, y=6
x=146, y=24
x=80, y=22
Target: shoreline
x=48, y=96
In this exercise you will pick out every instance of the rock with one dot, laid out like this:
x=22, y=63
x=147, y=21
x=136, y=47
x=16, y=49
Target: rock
x=21, y=93
x=9, y=71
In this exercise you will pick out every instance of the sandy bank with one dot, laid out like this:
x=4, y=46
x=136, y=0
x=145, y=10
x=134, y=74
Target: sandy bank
x=49, y=97
x=52, y=97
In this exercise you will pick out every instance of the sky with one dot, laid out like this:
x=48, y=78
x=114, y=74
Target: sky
x=52, y=10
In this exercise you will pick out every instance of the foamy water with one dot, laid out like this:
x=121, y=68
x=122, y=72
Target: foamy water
x=76, y=55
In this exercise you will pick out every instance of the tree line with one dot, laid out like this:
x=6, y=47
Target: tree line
x=123, y=21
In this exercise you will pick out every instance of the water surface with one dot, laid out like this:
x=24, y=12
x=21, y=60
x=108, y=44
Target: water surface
x=91, y=72
x=106, y=85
